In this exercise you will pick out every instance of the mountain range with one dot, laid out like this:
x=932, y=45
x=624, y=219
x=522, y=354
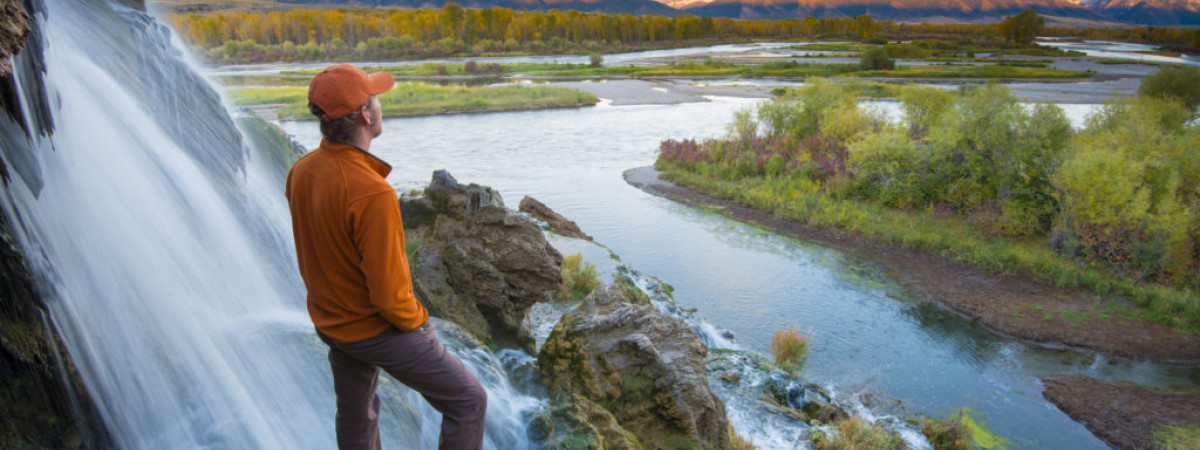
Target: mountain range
x=1139, y=12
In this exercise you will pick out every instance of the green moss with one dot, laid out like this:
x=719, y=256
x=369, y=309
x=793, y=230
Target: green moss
x=681, y=443
x=981, y=435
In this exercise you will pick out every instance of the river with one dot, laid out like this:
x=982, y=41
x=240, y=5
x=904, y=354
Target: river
x=870, y=339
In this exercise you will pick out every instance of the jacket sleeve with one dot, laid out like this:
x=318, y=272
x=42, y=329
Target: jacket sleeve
x=379, y=237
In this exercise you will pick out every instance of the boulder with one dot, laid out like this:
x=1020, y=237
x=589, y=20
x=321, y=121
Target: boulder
x=644, y=367
x=450, y=197
x=478, y=264
x=557, y=222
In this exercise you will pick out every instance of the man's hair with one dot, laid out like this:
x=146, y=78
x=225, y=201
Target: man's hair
x=344, y=129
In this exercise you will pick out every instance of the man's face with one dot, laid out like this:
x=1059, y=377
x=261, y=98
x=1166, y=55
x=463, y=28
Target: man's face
x=375, y=112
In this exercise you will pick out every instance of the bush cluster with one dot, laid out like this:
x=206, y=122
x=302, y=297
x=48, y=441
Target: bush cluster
x=1123, y=193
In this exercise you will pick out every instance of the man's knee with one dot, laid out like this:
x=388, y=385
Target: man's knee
x=476, y=399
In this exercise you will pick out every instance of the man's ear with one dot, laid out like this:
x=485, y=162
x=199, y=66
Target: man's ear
x=364, y=114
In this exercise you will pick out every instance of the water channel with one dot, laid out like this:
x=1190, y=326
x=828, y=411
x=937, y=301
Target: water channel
x=870, y=339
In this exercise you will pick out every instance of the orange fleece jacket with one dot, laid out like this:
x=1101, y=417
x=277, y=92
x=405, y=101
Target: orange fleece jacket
x=350, y=244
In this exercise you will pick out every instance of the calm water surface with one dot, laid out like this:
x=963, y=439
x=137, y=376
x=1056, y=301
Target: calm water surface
x=870, y=339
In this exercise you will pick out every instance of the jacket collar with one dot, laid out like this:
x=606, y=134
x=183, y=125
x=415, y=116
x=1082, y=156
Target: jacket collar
x=353, y=153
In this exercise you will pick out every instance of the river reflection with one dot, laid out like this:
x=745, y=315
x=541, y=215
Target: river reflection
x=868, y=334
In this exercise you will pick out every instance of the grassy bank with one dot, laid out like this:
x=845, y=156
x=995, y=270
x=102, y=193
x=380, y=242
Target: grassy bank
x=793, y=69
x=943, y=48
x=953, y=238
x=469, y=68
x=418, y=99
x=977, y=178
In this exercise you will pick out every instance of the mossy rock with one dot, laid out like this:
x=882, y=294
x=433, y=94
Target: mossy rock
x=579, y=423
x=646, y=368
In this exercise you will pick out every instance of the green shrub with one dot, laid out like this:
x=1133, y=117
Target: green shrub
x=1131, y=186
x=924, y=106
x=579, y=278
x=892, y=168
x=876, y=58
x=1179, y=82
x=596, y=60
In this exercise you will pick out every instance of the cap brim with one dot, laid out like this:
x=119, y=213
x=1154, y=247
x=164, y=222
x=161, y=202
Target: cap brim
x=380, y=82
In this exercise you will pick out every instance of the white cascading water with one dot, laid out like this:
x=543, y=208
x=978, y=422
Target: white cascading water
x=163, y=243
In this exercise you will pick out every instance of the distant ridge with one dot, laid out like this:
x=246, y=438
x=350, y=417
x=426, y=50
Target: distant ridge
x=1128, y=12
x=635, y=7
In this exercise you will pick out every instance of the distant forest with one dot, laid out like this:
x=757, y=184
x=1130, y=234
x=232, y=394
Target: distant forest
x=312, y=34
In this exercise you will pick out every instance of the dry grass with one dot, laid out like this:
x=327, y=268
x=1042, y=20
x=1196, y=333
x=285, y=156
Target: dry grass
x=857, y=434
x=790, y=348
x=737, y=442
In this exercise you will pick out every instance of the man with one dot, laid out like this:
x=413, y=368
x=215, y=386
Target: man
x=350, y=246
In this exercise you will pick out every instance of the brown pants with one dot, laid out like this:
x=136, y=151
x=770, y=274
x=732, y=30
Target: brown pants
x=417, y=359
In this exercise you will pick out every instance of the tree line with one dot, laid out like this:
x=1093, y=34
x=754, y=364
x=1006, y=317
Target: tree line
x=452, y=21
x=324, y=34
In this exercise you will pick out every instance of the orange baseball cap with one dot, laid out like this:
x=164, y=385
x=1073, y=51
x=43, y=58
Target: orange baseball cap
x=341, y=89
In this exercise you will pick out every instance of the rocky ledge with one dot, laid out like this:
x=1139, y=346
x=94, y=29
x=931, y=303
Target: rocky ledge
x=475, y=262
x=555, y=221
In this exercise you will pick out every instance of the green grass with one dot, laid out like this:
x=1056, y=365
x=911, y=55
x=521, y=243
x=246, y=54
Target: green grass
x=1113, y=61
x=417, y=99
x=1177, y=437
x=833, y=47
x=1170, y=53
x=953, y=238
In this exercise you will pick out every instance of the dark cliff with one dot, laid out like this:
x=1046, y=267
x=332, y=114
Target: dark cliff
x=43, y=403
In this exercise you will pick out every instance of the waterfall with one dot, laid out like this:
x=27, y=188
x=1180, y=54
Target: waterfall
x=155, y=221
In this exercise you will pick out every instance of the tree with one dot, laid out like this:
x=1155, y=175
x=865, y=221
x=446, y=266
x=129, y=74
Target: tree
x=1023, y=27
x=1181, y=83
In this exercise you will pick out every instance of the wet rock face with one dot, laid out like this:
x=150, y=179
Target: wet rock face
x=36, y=409
x=557, y=222
x=646, y=368
x=14, y=26
x=478, y=264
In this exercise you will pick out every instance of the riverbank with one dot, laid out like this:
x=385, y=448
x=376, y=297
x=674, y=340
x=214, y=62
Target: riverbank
x=420, y=99
x=1013, y=305
x=1128, y=416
